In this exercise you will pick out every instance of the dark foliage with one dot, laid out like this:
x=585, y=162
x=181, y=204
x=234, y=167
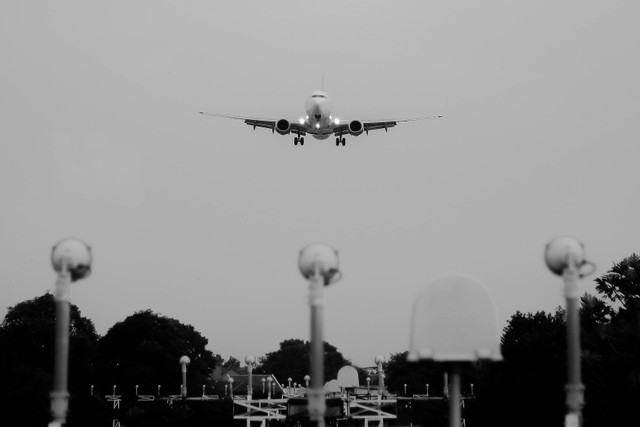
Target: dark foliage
x=292, y=361
x=145, y=350
x=26, y=362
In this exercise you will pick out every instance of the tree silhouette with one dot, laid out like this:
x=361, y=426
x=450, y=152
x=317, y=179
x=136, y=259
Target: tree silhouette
x=26, y=361
x=292, y=361
x=145, y=350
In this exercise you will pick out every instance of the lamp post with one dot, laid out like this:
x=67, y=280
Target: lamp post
x=231, y=387
x=379, y=360
x=306, y=380
x=250, y=361
x=318, y=263
x=368, y=387
x=269, y=388
x=184, y=361
x=289, y=386
x=71, y=259
x=565, y=257
x=263, y=381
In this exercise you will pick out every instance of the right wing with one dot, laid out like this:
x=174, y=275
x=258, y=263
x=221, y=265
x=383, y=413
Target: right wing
x=259, y=123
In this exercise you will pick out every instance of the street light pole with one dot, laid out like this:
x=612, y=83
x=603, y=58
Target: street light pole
x=71, y=259
x=318, y=263
x=250, y=360
x=184, y=361
x=574, y=387
x=379, y=360
x=565, y=256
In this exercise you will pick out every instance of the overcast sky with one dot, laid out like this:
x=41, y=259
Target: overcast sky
x=201, y=219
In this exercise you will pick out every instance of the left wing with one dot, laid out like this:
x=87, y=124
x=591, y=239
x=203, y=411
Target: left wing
x=370, y=125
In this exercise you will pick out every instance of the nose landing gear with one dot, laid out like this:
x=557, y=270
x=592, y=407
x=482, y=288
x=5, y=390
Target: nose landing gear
x=340, y=141
x=298, y=139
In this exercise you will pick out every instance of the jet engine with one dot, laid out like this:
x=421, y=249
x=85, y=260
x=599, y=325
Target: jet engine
x=356, y=127
x=283, y=126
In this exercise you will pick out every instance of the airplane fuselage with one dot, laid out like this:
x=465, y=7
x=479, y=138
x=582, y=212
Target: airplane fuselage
x=318, y=120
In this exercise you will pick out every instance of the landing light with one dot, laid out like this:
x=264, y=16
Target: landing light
x=301, y=121
x=317, y=125
x=336, y=121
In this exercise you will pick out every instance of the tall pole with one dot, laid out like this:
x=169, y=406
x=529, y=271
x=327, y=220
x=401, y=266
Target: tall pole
x=446, y=385
x=250, y=385
x=574, y=387
x=184, y=380
x=454, y=401
x=184, y=361
x=379, y=360
x=317, y=405
x=565, y=256
x=60, y=395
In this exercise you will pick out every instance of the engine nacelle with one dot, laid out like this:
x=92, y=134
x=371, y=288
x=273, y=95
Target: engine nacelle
x=283, y=126
x=356, y=127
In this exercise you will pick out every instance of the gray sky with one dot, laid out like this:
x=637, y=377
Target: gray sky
x=201, y=219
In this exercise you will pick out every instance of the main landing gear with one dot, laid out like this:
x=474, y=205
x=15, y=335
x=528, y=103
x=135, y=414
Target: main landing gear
x=299, y=139
x=340, y=141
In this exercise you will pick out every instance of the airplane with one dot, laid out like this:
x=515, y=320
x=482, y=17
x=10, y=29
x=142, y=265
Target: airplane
x=319, y=122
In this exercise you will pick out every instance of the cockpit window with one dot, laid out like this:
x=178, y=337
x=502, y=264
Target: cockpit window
x=318, y=96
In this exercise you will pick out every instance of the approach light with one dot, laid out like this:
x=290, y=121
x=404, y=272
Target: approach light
x=558, y=250
x=324, y=258
x=76, y=257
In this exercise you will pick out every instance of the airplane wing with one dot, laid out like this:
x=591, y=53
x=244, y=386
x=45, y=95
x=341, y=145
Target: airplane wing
x=370, y=125
x=259, y=123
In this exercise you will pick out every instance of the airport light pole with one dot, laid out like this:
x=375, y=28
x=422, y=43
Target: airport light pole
x=184, y=361
x=71, y=259
x=250, y=361
x=565, y=257
x=269, y=380
x=379, y=360
x=318, y=263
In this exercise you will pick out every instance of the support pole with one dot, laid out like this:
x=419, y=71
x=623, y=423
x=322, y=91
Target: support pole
x=317, y=405
x=454, y=400
x=60, y=395
x=574, y=387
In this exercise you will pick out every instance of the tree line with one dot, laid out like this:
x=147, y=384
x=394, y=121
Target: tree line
x=144, y=349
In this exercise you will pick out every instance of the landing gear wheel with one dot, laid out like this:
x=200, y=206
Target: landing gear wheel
x=302, y=140
x=337, y=142
x=343, y=141
x=295, y=140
